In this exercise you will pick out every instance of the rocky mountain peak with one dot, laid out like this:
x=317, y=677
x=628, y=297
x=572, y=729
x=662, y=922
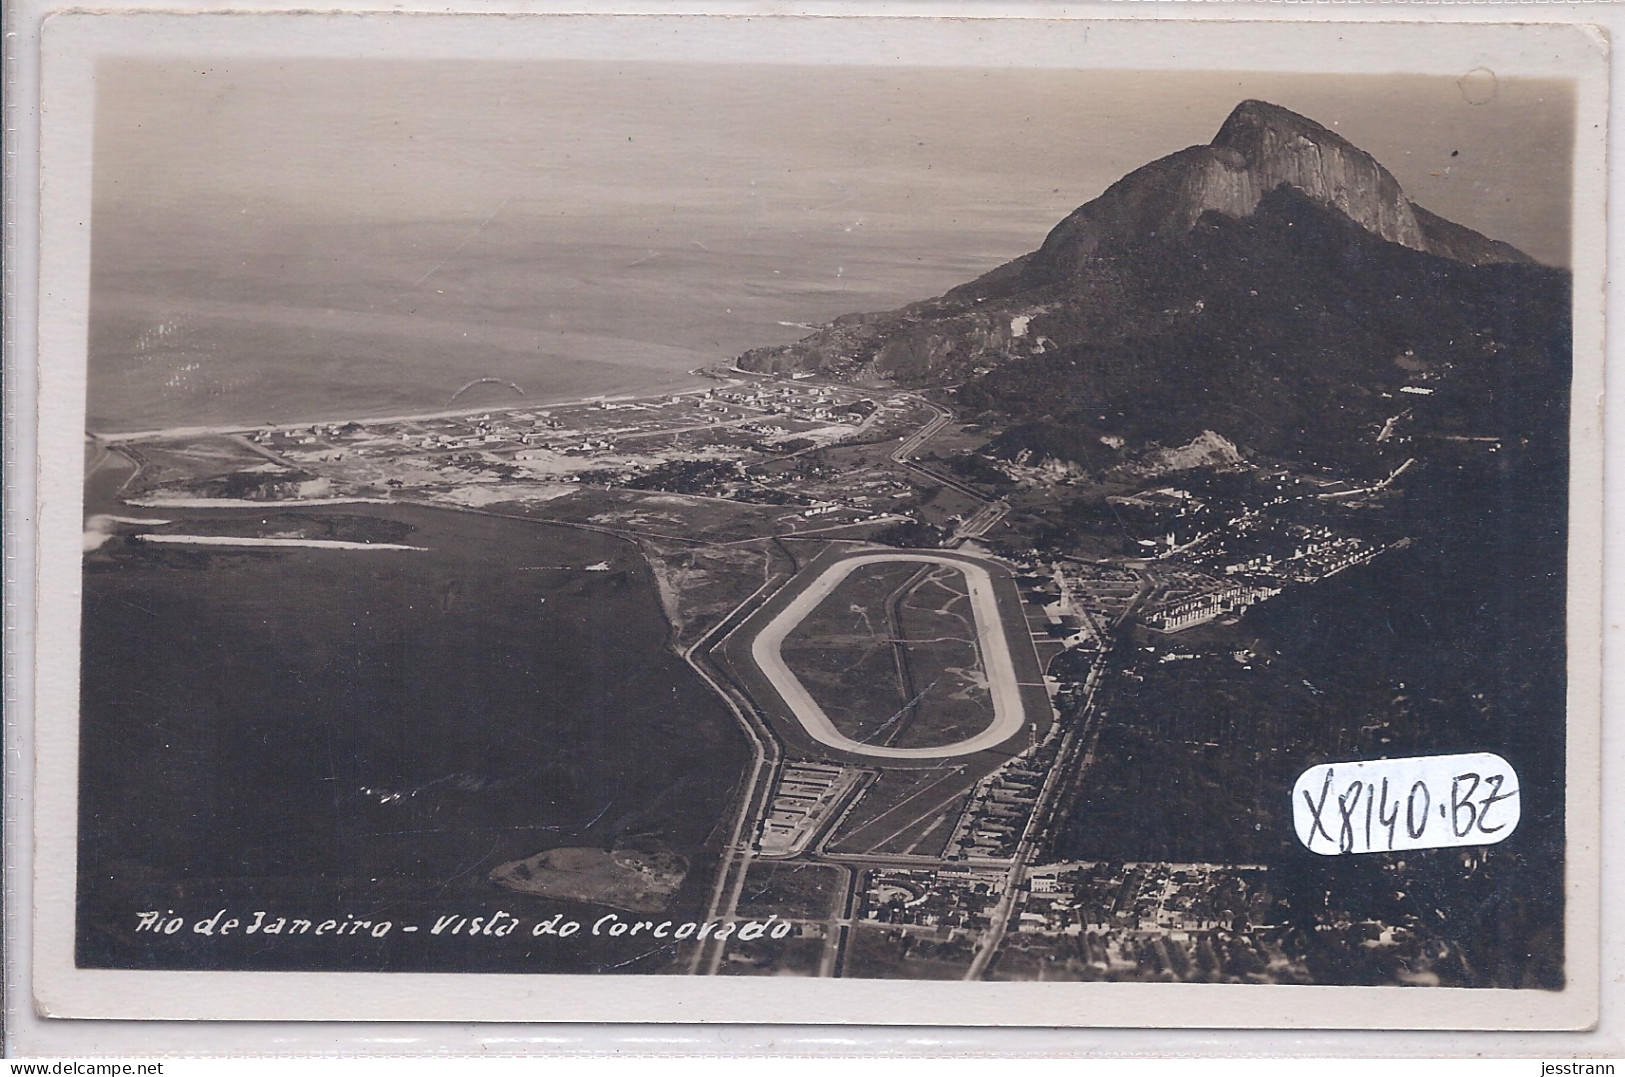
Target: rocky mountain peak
x=1281, y=146
x=1253, y=125
x=1270, y=179
x=1260, y=147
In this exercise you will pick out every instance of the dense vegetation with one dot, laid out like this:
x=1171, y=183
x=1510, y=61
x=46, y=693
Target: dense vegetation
x=1289, y=332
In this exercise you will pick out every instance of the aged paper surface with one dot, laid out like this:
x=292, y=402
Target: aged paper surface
x=840, y=520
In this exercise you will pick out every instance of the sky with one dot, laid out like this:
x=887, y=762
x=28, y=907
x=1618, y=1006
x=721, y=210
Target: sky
x=656, y=216
x=774, y=145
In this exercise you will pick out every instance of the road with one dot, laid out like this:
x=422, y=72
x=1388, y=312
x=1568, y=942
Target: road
x=766, y=756
x=981, y=521
x=908, y=448
x=840, y=927
x=907, y=689
x=765, y=759
x=904, y=453
x=1074, y=738
x=1009, y=721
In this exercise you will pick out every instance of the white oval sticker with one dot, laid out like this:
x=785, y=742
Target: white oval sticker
x=1425, y=802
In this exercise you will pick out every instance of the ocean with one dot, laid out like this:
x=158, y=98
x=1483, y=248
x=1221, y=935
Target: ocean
x=351, y=337
x=290, y=239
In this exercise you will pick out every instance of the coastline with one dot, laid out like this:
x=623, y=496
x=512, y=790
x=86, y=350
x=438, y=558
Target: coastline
x=117, y=437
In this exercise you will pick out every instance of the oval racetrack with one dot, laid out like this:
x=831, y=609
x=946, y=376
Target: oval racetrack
x=766, y=650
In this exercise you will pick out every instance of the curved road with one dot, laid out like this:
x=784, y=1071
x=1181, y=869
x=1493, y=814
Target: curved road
x=1008, y=715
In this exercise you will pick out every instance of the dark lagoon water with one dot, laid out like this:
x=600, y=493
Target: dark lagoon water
x=325, y=734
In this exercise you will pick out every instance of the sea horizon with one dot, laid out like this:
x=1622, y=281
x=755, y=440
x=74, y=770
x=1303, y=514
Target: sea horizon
x=578, y=232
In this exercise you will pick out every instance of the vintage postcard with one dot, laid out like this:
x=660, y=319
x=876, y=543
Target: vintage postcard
x=833, y=520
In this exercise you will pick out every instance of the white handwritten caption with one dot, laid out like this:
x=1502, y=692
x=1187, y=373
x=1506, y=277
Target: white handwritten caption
x=499, y=925
x=1425, y=802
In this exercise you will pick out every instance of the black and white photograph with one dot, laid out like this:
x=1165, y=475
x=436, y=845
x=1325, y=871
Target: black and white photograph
x=934, y=525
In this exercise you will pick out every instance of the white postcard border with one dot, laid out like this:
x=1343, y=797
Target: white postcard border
x=73, y=41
